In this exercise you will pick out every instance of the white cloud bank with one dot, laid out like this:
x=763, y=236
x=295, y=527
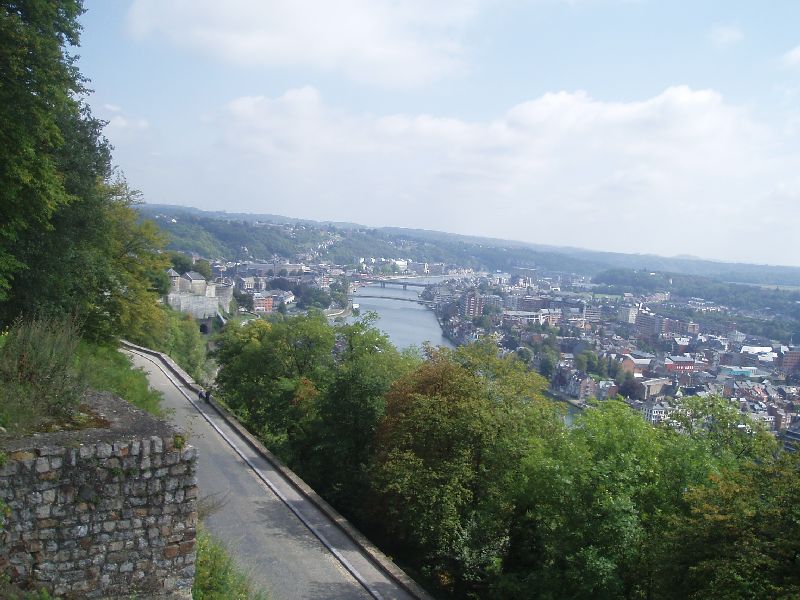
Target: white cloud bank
x=682, y=172
x=382, y=41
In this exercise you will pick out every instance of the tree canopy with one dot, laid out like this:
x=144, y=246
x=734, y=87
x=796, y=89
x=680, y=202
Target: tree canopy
x=70, y=239
x=469, y=477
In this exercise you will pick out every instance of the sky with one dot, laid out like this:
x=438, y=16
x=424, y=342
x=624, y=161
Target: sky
x=639, y=126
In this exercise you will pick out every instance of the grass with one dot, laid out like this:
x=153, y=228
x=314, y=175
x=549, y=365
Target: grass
x=39, y=383
x=45, y=370
x=107, y=369
x=217, y=576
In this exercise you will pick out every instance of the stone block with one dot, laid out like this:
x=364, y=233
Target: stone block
x=103, y=450
x=22, y=456
x=10, y=468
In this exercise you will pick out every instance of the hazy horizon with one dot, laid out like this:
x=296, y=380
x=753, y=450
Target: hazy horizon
x=549, y=247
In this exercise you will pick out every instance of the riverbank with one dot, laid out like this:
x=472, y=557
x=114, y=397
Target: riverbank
x=561, y=398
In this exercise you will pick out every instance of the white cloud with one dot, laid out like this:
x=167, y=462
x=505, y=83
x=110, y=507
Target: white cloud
x=725, y=36
x=792, y=57
x=382, y=41
x=120, y=125
x=682, y=172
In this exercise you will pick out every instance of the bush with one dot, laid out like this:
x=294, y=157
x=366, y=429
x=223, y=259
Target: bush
x=37, y=373
x=217, y=577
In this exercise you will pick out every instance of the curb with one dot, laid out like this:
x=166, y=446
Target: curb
x=382, y=561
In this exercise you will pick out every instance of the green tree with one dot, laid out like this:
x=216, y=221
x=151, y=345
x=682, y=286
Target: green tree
x=40, y=83
x=723, y=430
x=271, y=374
x=590, y=508
x=740, y=537
x=448, y=447
x=244, y=299
x=182, y=263
x=350, y=410
x=203, y=267
x=79, y=248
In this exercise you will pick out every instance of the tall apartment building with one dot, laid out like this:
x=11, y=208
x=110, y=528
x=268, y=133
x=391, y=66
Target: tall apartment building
x=592, y=314
x=472, y=304
x=648, y=325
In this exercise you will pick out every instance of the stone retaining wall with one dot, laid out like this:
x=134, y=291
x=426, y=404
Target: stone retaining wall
x=101, y=513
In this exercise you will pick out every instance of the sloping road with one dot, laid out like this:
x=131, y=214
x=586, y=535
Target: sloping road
x=268, y=539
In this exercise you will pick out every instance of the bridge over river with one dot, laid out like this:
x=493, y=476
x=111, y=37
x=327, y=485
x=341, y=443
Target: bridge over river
x=399, y=282
x=415, y=300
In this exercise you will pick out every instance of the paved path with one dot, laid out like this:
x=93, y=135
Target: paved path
x=266, y=537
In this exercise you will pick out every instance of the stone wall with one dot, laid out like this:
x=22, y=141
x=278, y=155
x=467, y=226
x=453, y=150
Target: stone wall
x=103, y=512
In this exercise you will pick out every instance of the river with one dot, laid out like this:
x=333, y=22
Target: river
x=406, y=323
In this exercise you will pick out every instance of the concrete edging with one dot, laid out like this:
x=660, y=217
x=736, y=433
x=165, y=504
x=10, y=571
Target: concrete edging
x=378, y=558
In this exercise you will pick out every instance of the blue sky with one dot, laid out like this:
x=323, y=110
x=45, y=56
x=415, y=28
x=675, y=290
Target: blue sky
x=627, y=125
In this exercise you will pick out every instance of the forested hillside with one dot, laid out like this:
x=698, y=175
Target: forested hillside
x=240, y=236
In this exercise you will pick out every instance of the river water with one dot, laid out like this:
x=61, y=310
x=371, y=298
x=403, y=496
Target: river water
x=406, y=323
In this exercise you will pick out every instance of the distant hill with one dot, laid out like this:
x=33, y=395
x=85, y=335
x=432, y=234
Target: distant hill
x=219, y=234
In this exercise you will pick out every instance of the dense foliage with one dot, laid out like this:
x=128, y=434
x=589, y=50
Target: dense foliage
x=70, y=241
x=459, y=467
x=39, y=81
